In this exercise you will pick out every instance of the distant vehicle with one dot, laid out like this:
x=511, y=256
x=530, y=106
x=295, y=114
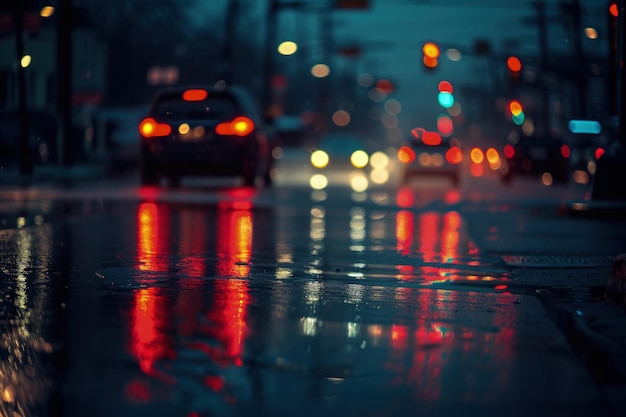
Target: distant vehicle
x=205, y=131
x=42, y=136
x=543, y=157
x=340, y=150
x=426, y=153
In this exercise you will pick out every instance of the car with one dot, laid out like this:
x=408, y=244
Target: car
x=205, y=131
x=427, y=153
x=535, y=156
x=336, y=150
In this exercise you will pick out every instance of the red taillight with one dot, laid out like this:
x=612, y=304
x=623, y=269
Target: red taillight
x=454, y=155
x=509, y=151
x=565, y=152
x=406, y=155
x=598, y=153
x=150, y=128
x=240, y=126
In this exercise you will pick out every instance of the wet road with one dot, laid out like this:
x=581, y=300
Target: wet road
x=225, y=301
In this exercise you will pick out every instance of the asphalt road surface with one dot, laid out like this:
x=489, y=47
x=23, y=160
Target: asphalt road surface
x=216, y=300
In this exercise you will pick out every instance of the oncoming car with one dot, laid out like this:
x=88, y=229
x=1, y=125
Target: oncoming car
x=426, y=153
x=200, y=131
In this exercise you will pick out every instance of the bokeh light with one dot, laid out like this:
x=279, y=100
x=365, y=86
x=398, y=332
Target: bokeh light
x=318, y=182
x=359, y=159
x=358, y=181
x=319, y=159
x=341, y=118
x=287, y=48
x=26, y=61
x=320, y=70
x=46, y=11
x=379, y=160
x=476, y=155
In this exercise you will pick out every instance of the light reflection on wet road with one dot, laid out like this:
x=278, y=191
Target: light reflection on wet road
x=280, y=302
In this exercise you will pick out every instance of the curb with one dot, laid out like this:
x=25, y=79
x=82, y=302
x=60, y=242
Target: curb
x=603, y=356
x=598, y=209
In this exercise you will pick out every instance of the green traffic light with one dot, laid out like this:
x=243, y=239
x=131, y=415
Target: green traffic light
x=445, y=99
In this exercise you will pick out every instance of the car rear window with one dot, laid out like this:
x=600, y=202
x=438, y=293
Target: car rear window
x=213, y=108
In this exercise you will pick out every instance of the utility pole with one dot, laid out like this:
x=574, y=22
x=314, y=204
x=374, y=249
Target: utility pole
x=230, y=38
x=621, y=39
x=609, y=181
x=544, y=122
x=25, y=161
x=572, y=16
x=64, y=80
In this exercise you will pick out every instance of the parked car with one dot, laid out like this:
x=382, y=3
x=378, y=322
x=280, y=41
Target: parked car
x=205, y=131
x=535, y=156
x=426, y=153
x=42, y=136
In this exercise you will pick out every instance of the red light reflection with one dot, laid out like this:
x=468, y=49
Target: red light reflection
x=438, y=237
x=404, y=231
x=151, y=238
x=234, y=242
x=148, y=341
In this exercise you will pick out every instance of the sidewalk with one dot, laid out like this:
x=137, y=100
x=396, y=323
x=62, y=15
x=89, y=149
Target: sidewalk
x=597, y=332
x=82, y=170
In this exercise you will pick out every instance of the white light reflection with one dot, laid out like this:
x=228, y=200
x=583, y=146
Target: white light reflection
x=309, y=326
x=353, y=329
x=355, y=293
x=318, y=195
x=24, y=248
x=312, y=291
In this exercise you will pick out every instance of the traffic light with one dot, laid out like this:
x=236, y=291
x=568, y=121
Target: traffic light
x=516, y=112
x=431, y=55
x=445, y=97
x=514, y=66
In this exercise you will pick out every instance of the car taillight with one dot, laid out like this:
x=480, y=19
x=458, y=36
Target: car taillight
x=150, y=128
x=509, y=151
x=195, y=95
x=454, y=155
x=598, y=153
x=240, y=126
x=406, y=155
x=565, y=152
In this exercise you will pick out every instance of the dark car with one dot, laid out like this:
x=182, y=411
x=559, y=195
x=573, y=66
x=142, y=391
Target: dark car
x=204, y=131
x=42, y=133
x=428, y=154
x=536, y=156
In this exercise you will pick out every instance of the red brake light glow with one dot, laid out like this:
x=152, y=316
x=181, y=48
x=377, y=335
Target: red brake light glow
x=454, y=155
x=150, y=128
x=240, y=126
x=431, y=138
x=565, y=152
x=406, y=155
x=195, y=95
x=509, y=151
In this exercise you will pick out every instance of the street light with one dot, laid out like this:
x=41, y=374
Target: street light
x=287, y=48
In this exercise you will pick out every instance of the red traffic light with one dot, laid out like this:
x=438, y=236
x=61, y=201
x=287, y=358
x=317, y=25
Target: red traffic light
x=514, y=64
